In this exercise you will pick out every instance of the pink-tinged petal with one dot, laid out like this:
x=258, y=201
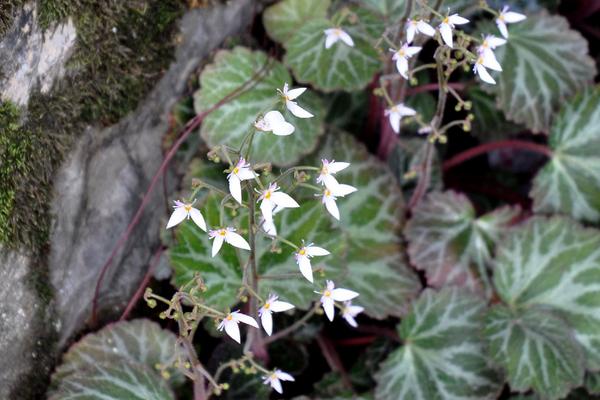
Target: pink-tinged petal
x=246, y=319
x=340, y=294
x=276, y=385
x=332, y=207
x=425, y=28
x=328, y=307
x=284, y=200
x=456, y=19
x=346, y=39
x=295, y=93
x=511, y=17
x=236, y=240
x=217, y=243
x=297, y=110
x=284, y=376
x=412, y=50
x=266, y=208
x=446, y=33
x=395, y=121
x=411, y=29
x=266, y=320
x=335, y=167
x=350, y=320
x=233, y=330
x=342, y=190
x=198, y=219
x=502, y=28
x=235, y=188
x=281, y=306
x=305, y=267
x=313, y=251
x=330, y=39
x=402, y=66
x=177, y=217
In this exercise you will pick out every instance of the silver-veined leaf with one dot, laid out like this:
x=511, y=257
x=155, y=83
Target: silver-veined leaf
x=283, y=19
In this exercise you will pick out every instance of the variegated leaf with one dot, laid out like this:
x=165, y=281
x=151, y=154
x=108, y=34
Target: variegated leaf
x=570, y=182
x=543, y=63
x=536, y=348
x=229, y=124
x=406, y=162
x=442, y=357
x=283, y=19
x=452, y=244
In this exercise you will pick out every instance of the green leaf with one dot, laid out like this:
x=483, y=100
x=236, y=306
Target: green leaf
x=592, y=382
x=340, y=67
x=229, y=124
x=554, y=264
x=449, y=241
x=367, y=254
x=139, y=341
x=537, y=349
x=120, y=381
x=570, y=182
x=543, y=63
x=406, y=160
x=283, y=19
x=489, y=123
x=442, y=356
x=390, y=10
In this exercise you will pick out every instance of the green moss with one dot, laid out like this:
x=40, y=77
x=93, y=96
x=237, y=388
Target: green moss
x=8, y=10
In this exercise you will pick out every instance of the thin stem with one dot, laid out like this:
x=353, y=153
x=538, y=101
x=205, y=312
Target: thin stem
x=421, y=68
x=309, y=186
x=429, y=87
x=284, y=332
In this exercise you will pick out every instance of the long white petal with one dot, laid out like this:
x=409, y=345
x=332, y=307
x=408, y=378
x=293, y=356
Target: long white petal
x=332, y=207
x=395, y=121
x=295, y=93
x=511, y=17
x=236, y=240
x=425, y=28
x=502, y=28
x=284, y=376
x=266, y=207
x=235, y=188
x=335, y=167
x=402, y=66
x=330, y=182
x=269, y=228
x=248, y=320
x=328, y=307
x=178, y=215
x=266, y=320
x=305, y=268
x=246, y=174
x=350, y=320
x=405, y=111
x=410, y=32
x=297, y=110
x=346, y=39
x=446, y=33
x=484, y=74
x=198, y=218
x=233, y=330
x=342, y=190
x=280, y=306
x=412, y=50
x=279, y=126
x=494, y=41
x=217, y=243
x=276, y=385
x=316, y=251
x=491, y=62
x=283, y=129
x=330, y=40
x=456, y=19
x=340, y=294
x=284, y=200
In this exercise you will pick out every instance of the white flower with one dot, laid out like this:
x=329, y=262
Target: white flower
x=289, y=96
x=328, y=169
x=269, y=226
x=396, y=113
x=229, y=236
x=489, y=44
x=303, y=257
x=480, y=68
x=333, y=35
x=272, y=305
x=401, y=57
x=349, y=312
x=271, y=198
x=448, y=24
x=241, y=172
x=507, y=17
x=275, y=379
x=413, y=26
x=331, y=195
x=331, y=294
x=183, y=211
x=231, y=321
x=273, y=121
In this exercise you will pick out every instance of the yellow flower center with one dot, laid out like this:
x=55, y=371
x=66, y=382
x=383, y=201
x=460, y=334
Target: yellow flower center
x=337, y=32
x=236, y=170
x=401, y=53
x=485, y=44
x=187, y=207
x=266, y=306
x=222, y=232
x=302, y=251
x=268, y=194
x=324, y=170
x=327, y=293
x=327, y=193
x=394, y=109
x=273, y=376
x=229, y=317
x=480, y=60
x=501, y=17
x=446, y=20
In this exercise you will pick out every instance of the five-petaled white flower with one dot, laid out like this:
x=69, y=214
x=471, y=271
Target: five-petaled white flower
x=183, y=211
x=291, y=94
x=395, y=114
x=303, y=256
x=507, y=17
x=328, y=169
x=275, y=379
x=489, y=44
x=331, y=294
x=272, y=305
x=271, y=198
x=448, y=24
x=480, y=68
x=401, y=57
x=227, y=235
x=333, y=35
x=330, y=195
x=273, y=121
x=240, y=172
x=349, y=313
x=231, y=321
x=418, y=25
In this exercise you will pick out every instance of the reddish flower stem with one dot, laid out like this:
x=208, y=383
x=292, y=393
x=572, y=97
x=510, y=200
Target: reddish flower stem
x=430, y=87
x=502, y=144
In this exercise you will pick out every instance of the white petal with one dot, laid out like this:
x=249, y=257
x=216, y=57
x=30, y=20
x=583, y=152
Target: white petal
x=330, y=40
x=483, y=74
x=278, y=124
x=405, y=111
x=332, y=207
x=350, y=320
x=198, y=219
x=395, y=121
x=335, y=167
x=305, y=268
x=233, y=330
x=178, y=215
x=286, y=86
x=236, y=240
x=316, y=251
x=342, y=190
x=502, y=28
x=297, y=110
x=489, y=61
x=512, y=17
x=235, y=188
x=410, y=32
x=446, y=33
x=283, y=129
x=280, y=306
x=340, y=294
x=217, y=243
x=284, y=200
x=248, y=320
x=425, y=28
x=456, y=19
x=412, y=50
x=494, y=41
x=329, y=181
x=266, y=320
x=328, y=307
x=276, y=385
x=355, y=310
x=269, y=228
x=295, y=93
x=245, y=174
x=284, y=376
x=266, y=207
x=346, y=39
x=402, y=66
